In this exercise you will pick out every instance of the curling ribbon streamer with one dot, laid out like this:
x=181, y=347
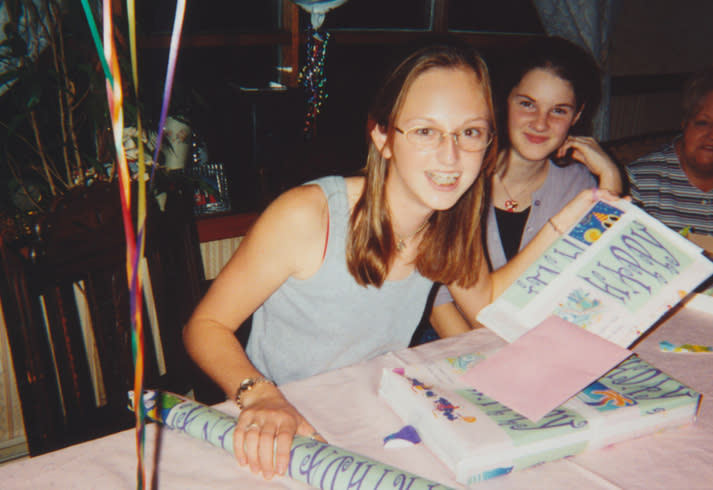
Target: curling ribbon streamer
x=134, y=245
x=170, y=72
x=115, y=100
x=141, y=210
x=136, y=287
x=97, y=42
x=318, y=464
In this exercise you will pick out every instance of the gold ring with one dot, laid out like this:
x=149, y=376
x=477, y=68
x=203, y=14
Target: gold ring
x=314, y=435
x=250, y=427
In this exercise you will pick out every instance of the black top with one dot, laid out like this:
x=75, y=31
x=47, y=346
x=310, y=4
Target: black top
x=510, y=227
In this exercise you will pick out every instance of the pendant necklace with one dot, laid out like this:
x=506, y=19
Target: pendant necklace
x=511, y=204
x=401, y=242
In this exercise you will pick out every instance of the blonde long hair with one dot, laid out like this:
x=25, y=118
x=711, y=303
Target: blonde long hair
x=451, y=249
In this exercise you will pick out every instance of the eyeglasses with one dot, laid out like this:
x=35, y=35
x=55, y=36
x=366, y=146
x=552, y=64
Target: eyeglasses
x=469, y=139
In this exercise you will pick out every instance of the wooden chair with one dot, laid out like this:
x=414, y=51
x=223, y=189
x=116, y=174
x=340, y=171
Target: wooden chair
x=67, y=313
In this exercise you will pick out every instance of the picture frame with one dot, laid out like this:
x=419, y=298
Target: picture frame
x=210, y=194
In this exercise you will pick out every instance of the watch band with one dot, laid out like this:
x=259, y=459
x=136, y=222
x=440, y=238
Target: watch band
x=246, y=385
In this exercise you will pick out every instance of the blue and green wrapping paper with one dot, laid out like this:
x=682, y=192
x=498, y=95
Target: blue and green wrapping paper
x=315, y=463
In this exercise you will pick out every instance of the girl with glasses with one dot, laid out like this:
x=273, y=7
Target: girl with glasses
x=550, y=93
x=338, y=270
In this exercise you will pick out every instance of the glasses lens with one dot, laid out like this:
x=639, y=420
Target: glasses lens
x=469, y=139
x=426, y=138
x=474, y=139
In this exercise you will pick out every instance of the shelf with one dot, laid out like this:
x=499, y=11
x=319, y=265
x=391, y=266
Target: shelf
x=224, y=225
x=217, y=40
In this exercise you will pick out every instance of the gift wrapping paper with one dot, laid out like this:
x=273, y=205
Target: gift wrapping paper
x=318, y=464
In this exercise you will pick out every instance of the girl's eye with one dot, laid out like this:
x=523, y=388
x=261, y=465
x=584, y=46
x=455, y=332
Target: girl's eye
x=560, y=111
x=701, y=123
x=424, y=132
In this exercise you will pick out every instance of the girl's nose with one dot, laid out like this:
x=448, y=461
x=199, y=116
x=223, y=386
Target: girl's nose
x=540, y=121
x=449, y=148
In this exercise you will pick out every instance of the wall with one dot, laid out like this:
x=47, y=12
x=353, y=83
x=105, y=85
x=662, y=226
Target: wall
x=662, y=36
x=12, y=431
x=656, y=37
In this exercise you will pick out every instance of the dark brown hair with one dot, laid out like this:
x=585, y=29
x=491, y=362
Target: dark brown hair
x=562, y=58
x=451, y=248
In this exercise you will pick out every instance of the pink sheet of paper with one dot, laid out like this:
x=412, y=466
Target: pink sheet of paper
x=545, y=367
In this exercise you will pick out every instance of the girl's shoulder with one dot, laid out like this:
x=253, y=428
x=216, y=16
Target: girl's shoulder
x=355, y=186
x=299, y=207
x=305, y=209
x=291, y=231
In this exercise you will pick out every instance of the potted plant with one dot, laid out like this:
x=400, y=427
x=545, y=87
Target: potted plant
x=52, y=105
x=55, y=132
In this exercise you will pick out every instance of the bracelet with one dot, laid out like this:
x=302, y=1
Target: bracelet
x=555, y=227
x=248, y=384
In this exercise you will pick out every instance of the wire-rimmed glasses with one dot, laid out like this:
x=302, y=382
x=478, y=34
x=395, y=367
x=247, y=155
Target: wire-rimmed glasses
x=471, y=139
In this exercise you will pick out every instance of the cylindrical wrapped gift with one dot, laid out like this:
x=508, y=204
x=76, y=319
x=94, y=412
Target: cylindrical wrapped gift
x=315, y=463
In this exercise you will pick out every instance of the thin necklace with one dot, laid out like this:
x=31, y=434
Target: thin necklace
x=401, y=242
x=511, y=204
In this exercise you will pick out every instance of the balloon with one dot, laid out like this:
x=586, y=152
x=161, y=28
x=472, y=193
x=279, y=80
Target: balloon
x=318, y=9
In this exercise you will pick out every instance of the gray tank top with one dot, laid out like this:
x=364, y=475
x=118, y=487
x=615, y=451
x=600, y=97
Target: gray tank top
x=328, y=320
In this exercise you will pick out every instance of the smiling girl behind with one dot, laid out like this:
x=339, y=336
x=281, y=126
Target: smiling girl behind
x=550, y=93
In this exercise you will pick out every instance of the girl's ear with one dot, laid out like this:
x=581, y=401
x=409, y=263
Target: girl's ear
x=378, y=136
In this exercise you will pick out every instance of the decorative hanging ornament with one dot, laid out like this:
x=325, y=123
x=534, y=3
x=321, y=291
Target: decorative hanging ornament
x=312, y=77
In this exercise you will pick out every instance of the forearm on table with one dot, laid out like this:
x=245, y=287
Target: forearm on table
x=217, y=351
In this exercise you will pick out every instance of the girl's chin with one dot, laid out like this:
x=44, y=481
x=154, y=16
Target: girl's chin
x=443, y=205
x=535, y=156
x=446, y=200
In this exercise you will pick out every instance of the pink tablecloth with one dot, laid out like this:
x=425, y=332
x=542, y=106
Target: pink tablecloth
x=345, y=408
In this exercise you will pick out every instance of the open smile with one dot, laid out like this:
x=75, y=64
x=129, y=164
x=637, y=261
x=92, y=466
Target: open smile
x=443, y=178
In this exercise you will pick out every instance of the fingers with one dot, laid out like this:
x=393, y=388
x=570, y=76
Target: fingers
x=317, y=437
x=264, y=433
x=598, y=194
x=264, y=462
x=584, y=147
x=264, y=448
x=587, y=151
x=239, y=440
x=282, y=447
x=604, y=194
x=574, y=210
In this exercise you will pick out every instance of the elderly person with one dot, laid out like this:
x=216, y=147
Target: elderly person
x=675, y=184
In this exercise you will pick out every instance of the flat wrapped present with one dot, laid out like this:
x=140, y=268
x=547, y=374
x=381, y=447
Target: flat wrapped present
x=480, y=438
